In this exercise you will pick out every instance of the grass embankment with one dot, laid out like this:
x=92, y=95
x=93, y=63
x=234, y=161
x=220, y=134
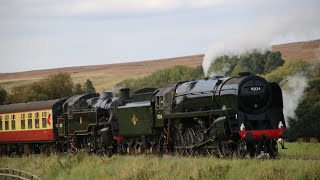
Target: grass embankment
x=82, y=166
x=301, y=150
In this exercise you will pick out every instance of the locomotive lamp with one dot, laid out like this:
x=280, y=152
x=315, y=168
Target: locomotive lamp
x=242, y=127
x=280, y=125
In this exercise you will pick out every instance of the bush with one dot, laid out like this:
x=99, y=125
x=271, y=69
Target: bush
x=254, y=61
x=3, y=95
x=307, y=124
x=55, y=86
x=309, y=69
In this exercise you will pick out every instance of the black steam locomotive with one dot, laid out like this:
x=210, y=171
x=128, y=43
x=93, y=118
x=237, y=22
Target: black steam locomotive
x=220, y=116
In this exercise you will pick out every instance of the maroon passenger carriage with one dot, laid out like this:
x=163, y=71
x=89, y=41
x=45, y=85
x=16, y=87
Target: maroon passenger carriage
x=29, y=127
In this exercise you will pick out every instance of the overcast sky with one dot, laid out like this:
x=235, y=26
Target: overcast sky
x=42, y=34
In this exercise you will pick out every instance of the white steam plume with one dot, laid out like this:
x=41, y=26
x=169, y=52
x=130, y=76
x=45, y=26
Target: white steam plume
x=268, y=30
x=292, y=93
x=237, y=47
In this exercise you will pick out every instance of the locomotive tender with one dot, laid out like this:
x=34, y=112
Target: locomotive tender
x=218, y=116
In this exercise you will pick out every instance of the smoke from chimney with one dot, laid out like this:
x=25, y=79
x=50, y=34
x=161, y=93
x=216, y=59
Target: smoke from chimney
x=292, y=94
x=268, y=30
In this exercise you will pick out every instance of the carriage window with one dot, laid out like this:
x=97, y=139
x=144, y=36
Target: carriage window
x=29, y=120
x=37, y=124
x=0, y=123
x=6, y=126
x=44, y=116
x=23, y=121
x=13, y=122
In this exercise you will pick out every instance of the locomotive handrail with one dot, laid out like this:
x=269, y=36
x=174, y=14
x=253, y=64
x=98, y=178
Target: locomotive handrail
x=83, y=110
x=200, y=113
x=17, y=173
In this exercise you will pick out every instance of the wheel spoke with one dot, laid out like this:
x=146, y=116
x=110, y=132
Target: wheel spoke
x=241, y=148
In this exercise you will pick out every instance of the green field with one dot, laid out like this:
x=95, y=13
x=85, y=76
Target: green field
x=82, y=166
x=301, y=150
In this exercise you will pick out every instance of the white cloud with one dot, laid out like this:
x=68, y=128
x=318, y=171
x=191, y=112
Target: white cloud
x=78, y=32
x=71, y=7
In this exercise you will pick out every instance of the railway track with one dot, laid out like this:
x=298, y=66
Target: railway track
x=10, y=173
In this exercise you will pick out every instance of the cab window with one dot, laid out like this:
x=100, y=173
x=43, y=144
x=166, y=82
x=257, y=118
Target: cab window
x=13, y=122
x=44, y=122
x=23, y=121
x=159, y=102
x=6, y=124
x=29, y=120
x=37, y=123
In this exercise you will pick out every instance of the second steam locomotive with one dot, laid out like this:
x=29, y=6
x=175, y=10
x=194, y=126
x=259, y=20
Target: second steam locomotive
x=220, y=116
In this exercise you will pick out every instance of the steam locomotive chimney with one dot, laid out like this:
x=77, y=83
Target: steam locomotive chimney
x=124, y=93
x=245, y=74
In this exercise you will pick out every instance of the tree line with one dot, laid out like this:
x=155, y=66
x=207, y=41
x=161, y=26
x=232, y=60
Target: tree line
x=162, y=77
x=254, y=61
x=55, y=86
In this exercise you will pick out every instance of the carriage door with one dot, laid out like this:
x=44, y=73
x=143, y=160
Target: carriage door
x=159, y=117
x=61, y=126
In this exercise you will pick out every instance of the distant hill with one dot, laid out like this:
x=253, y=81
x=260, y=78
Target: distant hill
x=306, y=50
x=105, y=76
